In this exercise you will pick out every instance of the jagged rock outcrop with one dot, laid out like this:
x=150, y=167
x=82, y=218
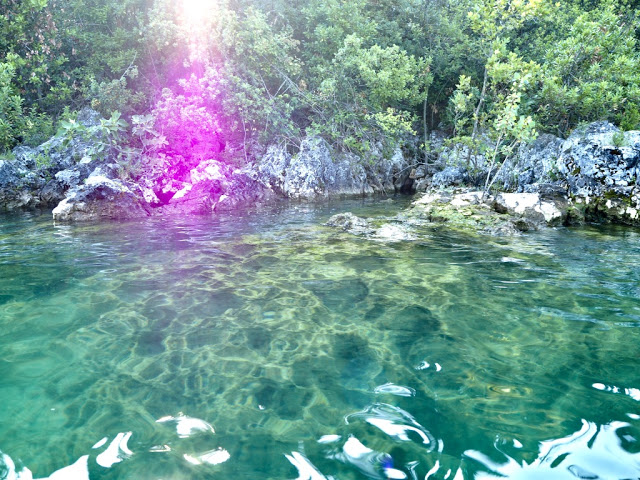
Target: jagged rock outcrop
x=459, y=155
x=12, y=191
x=40, y=177
x=592, y=175
x=601, y=167
x=101, y=198
x=535, y=164
x=450, y=177
x=595, y=171
x=215, y=186
x=389, y=175
x=313, y=172
x=598, y=167
x=316, y=171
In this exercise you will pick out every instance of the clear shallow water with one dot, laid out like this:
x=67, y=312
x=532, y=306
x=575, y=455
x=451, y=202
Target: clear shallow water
x=267, y=346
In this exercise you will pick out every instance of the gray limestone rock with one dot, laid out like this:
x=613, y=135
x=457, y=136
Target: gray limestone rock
x=459, y=155
x=535, y=163
x=595, y=170
x=52, y=193
x=89, y=117
x=450, y=176
x=317, y=171
x=11, y=173
x=15, y=185
x=215, y=186
x=311, y=172
x=534, y=207
x=600, y=166
x=273, y=167
x=40, y=176
x=599, y=159
x=504, y=214
x=100, y=198
x=387, y=175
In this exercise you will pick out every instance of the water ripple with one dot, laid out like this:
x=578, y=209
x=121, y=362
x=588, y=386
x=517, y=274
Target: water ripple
x=593, y=452
x=394, y=421
x=288, y=337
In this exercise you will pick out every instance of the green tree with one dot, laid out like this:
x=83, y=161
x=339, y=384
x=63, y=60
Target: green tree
x=489, y=120
x=369, y=93
x=593, y=73
x=11, y=118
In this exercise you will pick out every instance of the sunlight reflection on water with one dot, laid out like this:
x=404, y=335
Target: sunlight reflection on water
x=593, y=452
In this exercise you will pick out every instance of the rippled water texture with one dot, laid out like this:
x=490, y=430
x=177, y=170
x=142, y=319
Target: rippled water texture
x=267, y=346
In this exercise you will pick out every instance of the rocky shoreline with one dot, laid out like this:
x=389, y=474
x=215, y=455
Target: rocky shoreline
x=590, y=176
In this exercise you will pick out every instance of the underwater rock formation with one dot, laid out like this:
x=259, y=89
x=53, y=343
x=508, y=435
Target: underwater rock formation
x=350, y=223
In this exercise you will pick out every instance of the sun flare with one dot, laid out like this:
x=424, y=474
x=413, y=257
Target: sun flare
x=196, y=10
x=196, y=15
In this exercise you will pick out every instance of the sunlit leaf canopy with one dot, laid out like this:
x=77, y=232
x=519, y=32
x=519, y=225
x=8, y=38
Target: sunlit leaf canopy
x=366, y=75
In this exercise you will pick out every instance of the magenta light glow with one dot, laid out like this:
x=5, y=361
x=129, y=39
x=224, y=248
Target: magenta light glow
x=189, y=114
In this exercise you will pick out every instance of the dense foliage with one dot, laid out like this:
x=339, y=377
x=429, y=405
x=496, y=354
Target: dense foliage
x=197, y=78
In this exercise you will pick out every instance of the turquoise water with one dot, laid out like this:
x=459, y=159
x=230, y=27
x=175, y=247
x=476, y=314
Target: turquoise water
x=266, y=346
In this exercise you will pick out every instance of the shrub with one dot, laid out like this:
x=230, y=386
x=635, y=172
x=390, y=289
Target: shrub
x=188, y=122
x=11, y=118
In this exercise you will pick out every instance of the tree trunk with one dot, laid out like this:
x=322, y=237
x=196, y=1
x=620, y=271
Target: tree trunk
x=476, y=117
x=424, y=125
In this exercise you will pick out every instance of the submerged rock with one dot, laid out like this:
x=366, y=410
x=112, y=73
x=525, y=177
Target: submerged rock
x=387, y=232
x=339, y=294
x=394, y=232
x=350, y=223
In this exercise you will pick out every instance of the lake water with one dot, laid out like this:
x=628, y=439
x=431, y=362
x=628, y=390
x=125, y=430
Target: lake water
x=267, y=346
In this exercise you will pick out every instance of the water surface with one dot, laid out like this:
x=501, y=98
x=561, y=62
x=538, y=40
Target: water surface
x=266, y=346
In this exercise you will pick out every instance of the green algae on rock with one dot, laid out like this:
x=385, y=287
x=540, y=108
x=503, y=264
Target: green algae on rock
x=502, y=214
x=467, y=211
